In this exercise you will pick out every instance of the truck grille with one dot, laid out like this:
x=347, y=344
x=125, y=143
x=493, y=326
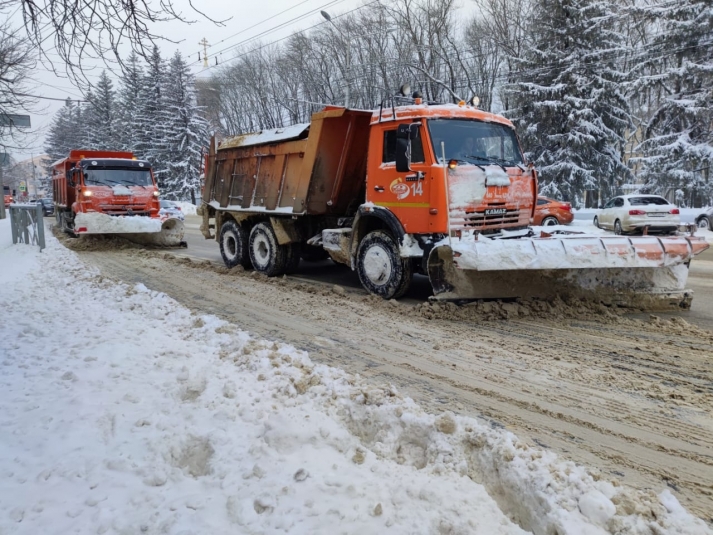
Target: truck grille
x=479, y=220
x=124, y=209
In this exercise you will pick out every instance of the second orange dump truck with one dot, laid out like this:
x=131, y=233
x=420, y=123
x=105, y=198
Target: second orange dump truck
x=111, y=193
x=441, y=190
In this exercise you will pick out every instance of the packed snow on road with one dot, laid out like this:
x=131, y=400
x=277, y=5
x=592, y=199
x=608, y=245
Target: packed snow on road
x=123, y=412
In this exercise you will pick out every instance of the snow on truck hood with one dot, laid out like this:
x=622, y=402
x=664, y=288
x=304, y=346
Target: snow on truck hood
x=191, y=425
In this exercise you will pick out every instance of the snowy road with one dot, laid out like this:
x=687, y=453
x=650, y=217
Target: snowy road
x=134, y=414
x=631, y=398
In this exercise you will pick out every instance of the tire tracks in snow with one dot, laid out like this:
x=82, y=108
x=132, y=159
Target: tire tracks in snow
x=632, y=399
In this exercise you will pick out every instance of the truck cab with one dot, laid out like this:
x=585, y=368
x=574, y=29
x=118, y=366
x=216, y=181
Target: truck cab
x=103, y=182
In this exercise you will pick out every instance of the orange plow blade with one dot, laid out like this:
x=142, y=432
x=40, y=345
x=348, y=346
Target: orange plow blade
x=643, y=271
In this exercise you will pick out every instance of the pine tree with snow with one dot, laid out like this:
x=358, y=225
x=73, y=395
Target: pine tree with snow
x=678, y=146
x=185, y=134
x=569, y=102
x=101, y=116
x=129, y=105
x=67, y=131
x=152, y=143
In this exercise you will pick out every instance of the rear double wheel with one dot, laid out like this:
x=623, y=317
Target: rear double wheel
x=381, y=269
x=266, y=254
x=234, y=245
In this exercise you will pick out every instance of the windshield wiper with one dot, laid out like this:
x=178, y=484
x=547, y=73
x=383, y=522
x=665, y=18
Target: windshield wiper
x=488, y=159
x=465, y=161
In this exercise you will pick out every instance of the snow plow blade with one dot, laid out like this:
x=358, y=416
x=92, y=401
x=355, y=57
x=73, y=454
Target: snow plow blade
x=171, y=235
x=644, y=271
x=138, y=229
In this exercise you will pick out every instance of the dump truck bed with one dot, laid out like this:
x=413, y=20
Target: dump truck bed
x=314, y=169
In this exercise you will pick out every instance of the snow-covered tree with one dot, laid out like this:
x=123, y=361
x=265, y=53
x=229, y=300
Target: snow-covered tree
x=571, y=109
x=151, y=131
x=129, y=105
x=185, y=132
x=101, y=124
x=66, y=131
x=678, y=68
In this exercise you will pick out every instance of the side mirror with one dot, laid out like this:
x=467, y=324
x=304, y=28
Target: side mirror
x=404, y=134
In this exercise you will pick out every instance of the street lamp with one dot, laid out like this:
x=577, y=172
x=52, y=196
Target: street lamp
x=328, y=18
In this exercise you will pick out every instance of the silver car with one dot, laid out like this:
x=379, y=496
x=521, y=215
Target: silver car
x=634, y=213
x=171, y=209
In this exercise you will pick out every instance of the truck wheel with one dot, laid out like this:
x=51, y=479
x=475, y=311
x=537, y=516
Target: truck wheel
x=234, y=245
x=267, y=255
x=293, y=257
x=381, y=269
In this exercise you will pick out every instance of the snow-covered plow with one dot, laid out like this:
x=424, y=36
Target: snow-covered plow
x=162, y=232
x=635, y=271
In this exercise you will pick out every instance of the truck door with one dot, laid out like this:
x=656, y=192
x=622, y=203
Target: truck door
x=407, y=194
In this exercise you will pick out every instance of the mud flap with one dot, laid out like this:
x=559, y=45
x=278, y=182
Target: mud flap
x=660, y=287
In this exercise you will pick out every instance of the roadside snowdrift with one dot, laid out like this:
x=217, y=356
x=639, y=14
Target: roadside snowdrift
x=129, y=414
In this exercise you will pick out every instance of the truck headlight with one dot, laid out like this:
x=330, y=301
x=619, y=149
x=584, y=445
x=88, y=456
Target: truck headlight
x=155, y=194
x=87, y=193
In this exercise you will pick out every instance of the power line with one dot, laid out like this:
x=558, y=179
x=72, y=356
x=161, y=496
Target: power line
x=295, y=33
x=259, y=23
x=49, y=98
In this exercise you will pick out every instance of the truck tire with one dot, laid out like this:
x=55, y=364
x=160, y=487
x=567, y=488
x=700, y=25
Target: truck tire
x=381, y=269
x=234, y=245
x=266, y=254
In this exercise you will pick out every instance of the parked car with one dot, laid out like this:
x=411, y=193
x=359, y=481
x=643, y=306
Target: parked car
x=550, y=212
x=171, y=209
x=705, y=220
x=47, y=206
x=8, y=200
x=632, y=213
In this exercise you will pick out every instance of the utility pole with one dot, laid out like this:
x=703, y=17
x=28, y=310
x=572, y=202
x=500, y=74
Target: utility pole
x=347, y=69
x=204, y=42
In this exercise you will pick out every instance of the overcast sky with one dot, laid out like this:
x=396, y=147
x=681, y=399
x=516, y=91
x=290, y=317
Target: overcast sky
x=266, y=21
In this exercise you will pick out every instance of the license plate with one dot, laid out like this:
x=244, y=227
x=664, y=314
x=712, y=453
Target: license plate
x=495, y=211
x=655, y=214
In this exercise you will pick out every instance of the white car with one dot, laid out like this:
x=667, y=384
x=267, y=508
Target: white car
x=633, y=213
x=171, y=209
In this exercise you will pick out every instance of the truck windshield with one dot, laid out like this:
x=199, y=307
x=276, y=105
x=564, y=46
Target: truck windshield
x=117, y=177
x=476, y=142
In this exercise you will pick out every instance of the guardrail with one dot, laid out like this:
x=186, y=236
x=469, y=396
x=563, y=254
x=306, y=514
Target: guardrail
x=27, y=224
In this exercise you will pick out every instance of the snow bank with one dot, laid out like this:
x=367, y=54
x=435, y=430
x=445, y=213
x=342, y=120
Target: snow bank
x=186, y=207
x=140, y=417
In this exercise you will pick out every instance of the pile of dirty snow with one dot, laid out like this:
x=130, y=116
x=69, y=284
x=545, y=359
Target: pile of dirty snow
x=133, y=415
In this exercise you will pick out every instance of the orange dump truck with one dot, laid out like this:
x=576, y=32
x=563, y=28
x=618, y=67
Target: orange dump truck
x=441, y=190
x=112, y=193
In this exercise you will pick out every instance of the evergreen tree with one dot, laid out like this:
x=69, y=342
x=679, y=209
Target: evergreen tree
x=100, y=117
x=570, y=107
x=67, y=132
x=185, y=132
x=678, y=149
x=151, y=132
x=130, y=105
